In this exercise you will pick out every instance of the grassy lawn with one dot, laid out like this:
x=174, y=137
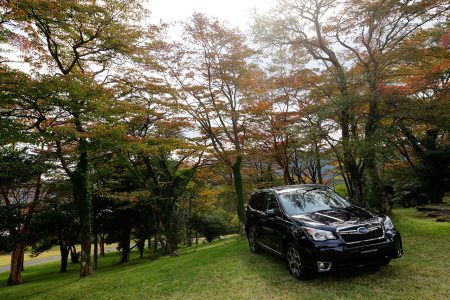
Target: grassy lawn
x=227, y=270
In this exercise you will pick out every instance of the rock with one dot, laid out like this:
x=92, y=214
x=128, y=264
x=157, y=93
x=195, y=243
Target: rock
x=443, y=219
x=433, y=208
x=434, y=215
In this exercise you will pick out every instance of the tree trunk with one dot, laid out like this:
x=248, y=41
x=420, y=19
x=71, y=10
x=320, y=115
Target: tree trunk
x=239, y=190
x=64, y=252
x=23, y=260
x=155, y=246
x=286, y=176
x=171, y=231
x=172, y=242
x=189, y=236
x=64, y=257
x=163, y=244
x=318, y=163
x=95, y=250
x=102, y=246
x=377, y=184
x=350, y=165
x=357, y=188
x=370, y=164
x=74, y=258
x=141, y=247
x=15, y=276
x=125, y=238
x=85, y=259
x=83, y=203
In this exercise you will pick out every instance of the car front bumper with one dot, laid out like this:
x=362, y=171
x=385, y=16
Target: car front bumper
x=326, y=256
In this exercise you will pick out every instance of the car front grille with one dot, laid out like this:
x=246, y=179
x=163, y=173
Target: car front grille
x=361, y=233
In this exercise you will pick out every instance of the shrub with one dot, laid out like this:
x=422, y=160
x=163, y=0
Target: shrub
x=210, y=226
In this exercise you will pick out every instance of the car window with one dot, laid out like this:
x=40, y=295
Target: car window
x=258, y=202
x=272, y=202
x=302, y=201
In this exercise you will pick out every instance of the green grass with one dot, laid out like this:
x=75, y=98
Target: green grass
x=227, y=270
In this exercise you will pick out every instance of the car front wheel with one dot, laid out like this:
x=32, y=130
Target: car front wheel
x=294, y=263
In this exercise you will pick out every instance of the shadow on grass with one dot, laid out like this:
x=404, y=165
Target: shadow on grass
x=277, y=264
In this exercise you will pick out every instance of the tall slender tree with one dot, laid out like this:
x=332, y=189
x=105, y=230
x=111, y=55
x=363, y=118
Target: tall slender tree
x=216, y=79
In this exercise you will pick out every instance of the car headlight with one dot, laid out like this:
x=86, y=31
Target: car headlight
x=388, y=225
x=319, y=235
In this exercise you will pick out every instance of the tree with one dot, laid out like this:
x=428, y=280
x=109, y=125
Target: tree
x=373, y=32
x=299, y=25
x=368, y=33
x=20, y=189
x=276, y=116
x=166, y=179
x=78, y=40
x=56, y=222
x=21, y=168
x=417, y=101
x=216, y=83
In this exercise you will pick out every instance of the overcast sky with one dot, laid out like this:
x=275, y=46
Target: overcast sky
x=236, y=12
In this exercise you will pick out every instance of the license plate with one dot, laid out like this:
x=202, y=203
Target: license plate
x=368, y=251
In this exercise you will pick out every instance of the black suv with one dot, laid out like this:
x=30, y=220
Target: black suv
x=316, y=230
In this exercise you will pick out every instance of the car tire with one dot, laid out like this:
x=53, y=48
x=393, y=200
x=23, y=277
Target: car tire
x=295, y=264
x=253, y=245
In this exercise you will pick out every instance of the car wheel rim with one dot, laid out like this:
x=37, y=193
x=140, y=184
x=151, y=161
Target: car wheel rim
x=294, y=262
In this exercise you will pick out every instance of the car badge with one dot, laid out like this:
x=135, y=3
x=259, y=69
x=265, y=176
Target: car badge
x=363, y=230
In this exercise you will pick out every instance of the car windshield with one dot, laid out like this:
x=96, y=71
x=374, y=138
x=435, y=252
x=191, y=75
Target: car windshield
x=300, y=201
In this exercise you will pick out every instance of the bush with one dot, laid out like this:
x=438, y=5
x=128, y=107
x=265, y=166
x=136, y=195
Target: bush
x=211, y=226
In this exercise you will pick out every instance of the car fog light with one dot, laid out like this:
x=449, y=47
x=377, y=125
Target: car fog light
x=323, y=266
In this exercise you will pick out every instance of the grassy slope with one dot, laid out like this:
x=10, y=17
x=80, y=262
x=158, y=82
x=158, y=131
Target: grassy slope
x=226, y=270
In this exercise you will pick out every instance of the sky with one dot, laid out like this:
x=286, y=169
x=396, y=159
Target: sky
x=238, y=13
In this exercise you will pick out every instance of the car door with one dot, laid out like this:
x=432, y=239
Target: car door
x=271, y=224
x=258, y=206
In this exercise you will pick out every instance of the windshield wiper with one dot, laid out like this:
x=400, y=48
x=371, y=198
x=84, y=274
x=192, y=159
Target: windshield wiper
x=313, y=189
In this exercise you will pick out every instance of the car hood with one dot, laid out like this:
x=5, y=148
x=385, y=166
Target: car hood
x=338, y=217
